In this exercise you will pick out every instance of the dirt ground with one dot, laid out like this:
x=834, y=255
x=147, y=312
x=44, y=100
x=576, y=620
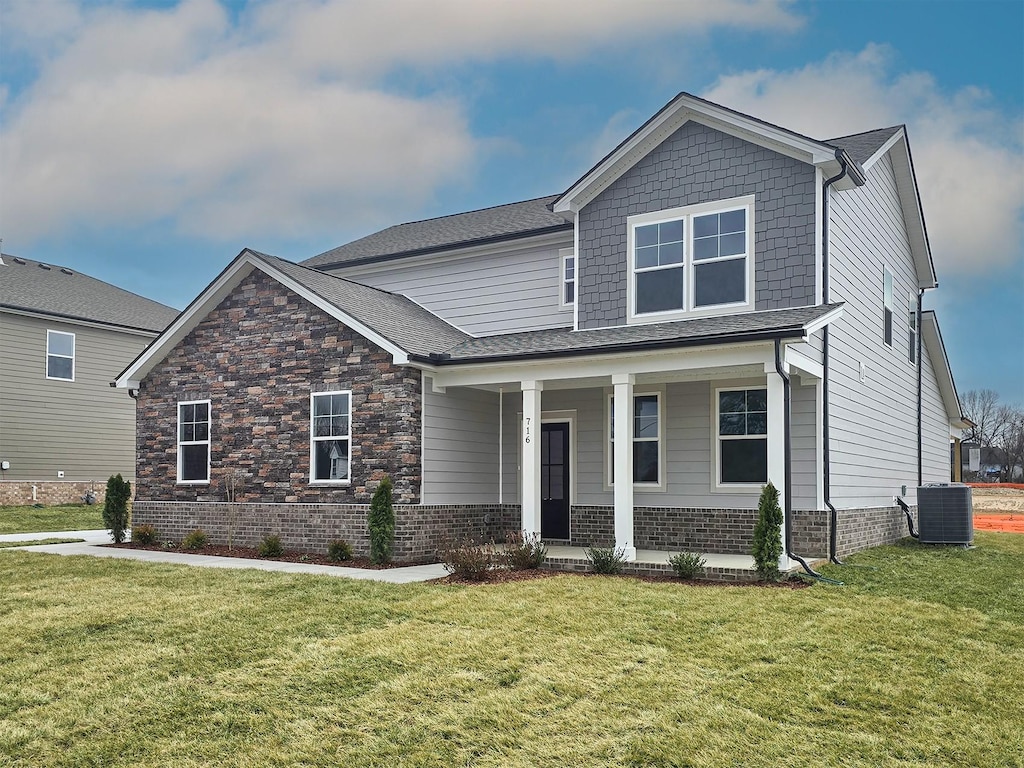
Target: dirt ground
x=998, y=509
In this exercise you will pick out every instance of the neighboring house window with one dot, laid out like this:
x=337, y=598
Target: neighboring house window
x=693, y=259
x=60, y=355
x=332, y=438
x=887, y=307
x=742, y=416
x=194, y=442
x=647, y=420
x=568, y=278
x=912, y=330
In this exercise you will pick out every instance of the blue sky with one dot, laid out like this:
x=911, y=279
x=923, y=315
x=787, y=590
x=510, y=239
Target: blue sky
x=147, y=143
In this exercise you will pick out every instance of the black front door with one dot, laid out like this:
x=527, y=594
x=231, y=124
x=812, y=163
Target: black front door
x=554, y=481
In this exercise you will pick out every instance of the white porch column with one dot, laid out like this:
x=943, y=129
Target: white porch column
x=777, y=448
x=623, y=461
x=530, y=492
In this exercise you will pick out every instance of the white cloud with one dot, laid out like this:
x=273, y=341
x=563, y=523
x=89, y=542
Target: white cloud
x=277, y=121
x=967, y=154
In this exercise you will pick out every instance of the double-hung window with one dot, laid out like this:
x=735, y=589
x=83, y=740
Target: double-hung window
x=331, y=430
x=742, y=444
x=60, y=355
x=693, y=260
x=568, y=294
x=912, y=330
x=647, y=435
x=887, y=307
x=194, y=442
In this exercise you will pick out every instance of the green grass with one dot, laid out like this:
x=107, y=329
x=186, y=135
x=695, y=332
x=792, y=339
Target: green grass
x=35, y=542
x=118, y=663
x=64, y=517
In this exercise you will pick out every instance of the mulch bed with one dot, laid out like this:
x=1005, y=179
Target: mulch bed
x=221, y=550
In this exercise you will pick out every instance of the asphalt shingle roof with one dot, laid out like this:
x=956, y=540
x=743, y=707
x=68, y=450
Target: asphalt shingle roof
x=395, y=317
x=705, y=330
x=500, y=222
x=861, y=146
x=50, y=289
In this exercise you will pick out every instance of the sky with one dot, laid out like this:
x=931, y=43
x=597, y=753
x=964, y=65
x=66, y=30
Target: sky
x=146, y=143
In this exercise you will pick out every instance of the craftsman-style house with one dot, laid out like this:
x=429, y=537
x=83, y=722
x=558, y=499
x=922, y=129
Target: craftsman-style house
x=718, y=303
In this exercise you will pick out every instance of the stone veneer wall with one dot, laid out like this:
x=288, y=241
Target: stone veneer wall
x=419, y=529
x=256, y=357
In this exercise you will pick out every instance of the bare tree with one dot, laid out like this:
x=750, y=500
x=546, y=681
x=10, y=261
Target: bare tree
x=997, y=426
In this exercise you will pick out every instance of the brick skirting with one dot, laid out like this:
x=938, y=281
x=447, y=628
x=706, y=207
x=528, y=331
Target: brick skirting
x=419, y=529
x=50, y=492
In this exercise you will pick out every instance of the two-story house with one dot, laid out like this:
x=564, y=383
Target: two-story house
x=717, y=303
x=63, y=334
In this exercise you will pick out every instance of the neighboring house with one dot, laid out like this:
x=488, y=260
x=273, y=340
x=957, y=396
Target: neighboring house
x=63, y=335
x=993, y=465
x=718, y=303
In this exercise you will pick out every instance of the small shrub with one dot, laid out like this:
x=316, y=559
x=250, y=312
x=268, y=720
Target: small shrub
x=144, y=534
x=687, y=565
x=194, y=540
x=271, y=546
x=607, y=560
x=117, y=507
x=339, y=550
x=524, y=552
x=381, y=522
x=468, y=559
x=768, y=534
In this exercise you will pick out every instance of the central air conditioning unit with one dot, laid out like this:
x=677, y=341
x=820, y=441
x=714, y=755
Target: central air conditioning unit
x=945, y=514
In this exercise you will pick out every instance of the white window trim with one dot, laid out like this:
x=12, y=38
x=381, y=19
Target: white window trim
x=564, y=254
x=716, y=467
x=49, y=354
x=313, y=439
x=208, y=442
x=661, y=485
x=686, y=213
x=887, y=273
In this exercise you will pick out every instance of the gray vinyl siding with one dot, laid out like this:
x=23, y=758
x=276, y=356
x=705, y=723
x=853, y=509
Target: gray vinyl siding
x=935, y=459
x=83, y=427
x=495, y=293
x=873, y=423
x=688, y=441
x=697, y=164
x=804, y=415
x=460, y=446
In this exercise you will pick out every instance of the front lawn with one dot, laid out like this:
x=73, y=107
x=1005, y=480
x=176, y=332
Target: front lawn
x=64, y=517
x=120, y=663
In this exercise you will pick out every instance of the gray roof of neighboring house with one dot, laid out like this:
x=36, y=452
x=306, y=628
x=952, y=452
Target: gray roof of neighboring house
x=50, y=289
x=750, y=326
x=397, y=318
x=502, y=222
x=861, y=146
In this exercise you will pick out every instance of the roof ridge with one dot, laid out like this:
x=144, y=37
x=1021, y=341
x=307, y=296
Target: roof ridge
x=328, y=274
x=896, y=127
x=464, y=213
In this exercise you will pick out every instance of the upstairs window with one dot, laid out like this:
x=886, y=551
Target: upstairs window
x=697, y=259
x=332, y=437
x=60, y=356
x=568, y=297
x=742, y=416
x=912, y=330
x=887, y=307
x=194, y=442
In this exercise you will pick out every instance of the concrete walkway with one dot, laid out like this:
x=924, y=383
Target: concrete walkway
x=93, y=540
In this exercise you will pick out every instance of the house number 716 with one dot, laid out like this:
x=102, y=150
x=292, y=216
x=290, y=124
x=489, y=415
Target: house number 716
x=526, y=431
